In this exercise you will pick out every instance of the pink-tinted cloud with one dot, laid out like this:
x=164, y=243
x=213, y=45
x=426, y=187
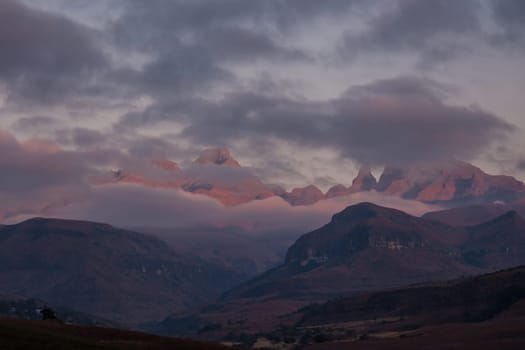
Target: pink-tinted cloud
x=37, y=178
x=130, y=205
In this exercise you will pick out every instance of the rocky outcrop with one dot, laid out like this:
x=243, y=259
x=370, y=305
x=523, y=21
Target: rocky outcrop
x=367, y=247
x=365, y=181
x=454, y=182
x=304, y=196
x=217, y=156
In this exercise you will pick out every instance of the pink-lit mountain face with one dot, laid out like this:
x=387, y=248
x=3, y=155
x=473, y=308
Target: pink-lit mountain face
x=215, y=173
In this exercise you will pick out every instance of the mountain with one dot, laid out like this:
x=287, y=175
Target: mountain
x=467, y=312
x=218, y=156
x=497, y=244
x=229, y=185
x=303, y=196
x=452, y=183
x=365, y=181
x=464, y=300
x=469, y=215
x=368, y=247
x=215, y=173
x=124, y=276
x=364, y=247
x=483, y=312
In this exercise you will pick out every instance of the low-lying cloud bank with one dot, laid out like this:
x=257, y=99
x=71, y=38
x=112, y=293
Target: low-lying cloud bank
x=37, y=178
x=128, y=205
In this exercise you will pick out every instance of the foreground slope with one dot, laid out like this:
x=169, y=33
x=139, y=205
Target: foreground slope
x=481, y=312
x=45, y=335
x=484, y=312
x=125, y=276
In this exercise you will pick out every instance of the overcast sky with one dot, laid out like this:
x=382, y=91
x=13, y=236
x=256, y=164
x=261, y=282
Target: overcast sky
x=304, y=91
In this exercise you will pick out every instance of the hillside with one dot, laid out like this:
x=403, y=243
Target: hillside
x=364, y=248
x=124, y=276
x=47, y=335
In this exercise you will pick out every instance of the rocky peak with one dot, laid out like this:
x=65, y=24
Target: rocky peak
x=452, y=181
x=337, y=191
x=364, y=181
x=389, y=176
x=363, y=211
x=218, y=156
x=304, y=196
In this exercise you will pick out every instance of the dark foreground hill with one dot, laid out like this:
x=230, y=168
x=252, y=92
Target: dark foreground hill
x=485, y=312
x=49, y=335
x=482, y=312
x=94, y=268
x=31, y=309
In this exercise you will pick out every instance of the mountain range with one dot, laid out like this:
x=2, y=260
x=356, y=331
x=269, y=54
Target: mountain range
x=124, y=276
x=137, y=280
x=371, y=247
x=215, y=173
x=363, y=248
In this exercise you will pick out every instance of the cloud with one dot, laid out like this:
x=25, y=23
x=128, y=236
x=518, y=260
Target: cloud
x=82, y=138
x=182, y=71
x=36, y=123
x=167, y=21
x=432, y=29
x=36, y=175
x=510, y=16
x=45, y=56
x=37, y=178
x=159, y=208
x=401, y=120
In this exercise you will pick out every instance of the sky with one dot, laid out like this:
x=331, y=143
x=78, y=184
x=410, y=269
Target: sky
x=300, y=91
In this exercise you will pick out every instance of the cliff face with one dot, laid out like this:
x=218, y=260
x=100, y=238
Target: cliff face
x=304, y=196
x=215, y=173
x=452, y=182
x=371, y=247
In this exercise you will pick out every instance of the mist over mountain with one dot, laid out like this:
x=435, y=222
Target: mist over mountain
x=212, y=168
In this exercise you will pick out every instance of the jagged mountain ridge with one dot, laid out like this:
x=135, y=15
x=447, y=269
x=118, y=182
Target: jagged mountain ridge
x=216, y=173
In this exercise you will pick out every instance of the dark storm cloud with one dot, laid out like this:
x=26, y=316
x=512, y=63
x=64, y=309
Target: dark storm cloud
x=521, y=165
x=36, y=123
x=35, y=164
x=401, y=120
x=510, y=15
x=44, y=56
x=412, y=123
x=431, y=28
x=185, y=70
x=154, y=24
x=81, y=137
x=189, y=42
